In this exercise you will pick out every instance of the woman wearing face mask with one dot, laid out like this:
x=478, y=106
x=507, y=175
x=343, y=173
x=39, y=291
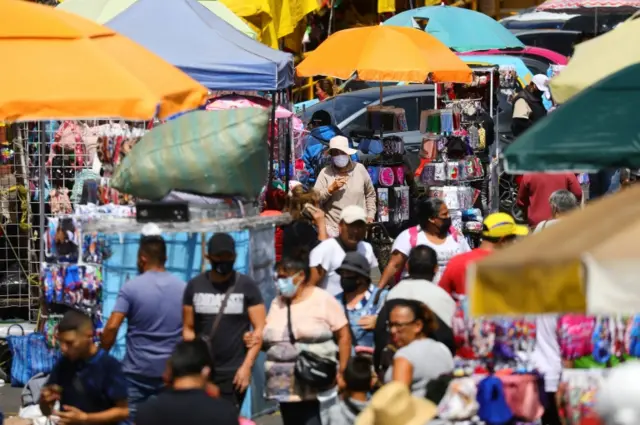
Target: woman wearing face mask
x=342, y=183
x=418, y=358
x=434, y=230
x=361, y=299
x=317, y=320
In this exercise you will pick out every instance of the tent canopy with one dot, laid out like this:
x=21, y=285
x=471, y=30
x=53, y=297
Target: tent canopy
x=189, y=36
x=587, y=262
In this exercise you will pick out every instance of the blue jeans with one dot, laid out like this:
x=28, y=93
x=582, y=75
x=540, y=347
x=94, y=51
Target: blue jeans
x=140, y=389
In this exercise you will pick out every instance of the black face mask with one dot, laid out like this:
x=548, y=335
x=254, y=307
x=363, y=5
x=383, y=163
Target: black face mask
x=349, y=284
x=444, y=227
x=222, y=267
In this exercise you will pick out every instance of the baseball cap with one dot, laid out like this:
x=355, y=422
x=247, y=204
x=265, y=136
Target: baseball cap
x=221, y=243
x=499, y=225
x=341, y=143
x=353, y=213
x=542, y=83
x=357, y=263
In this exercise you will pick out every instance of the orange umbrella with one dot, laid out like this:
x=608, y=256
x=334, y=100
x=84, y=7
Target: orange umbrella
x=59, y=65
x=385, y=53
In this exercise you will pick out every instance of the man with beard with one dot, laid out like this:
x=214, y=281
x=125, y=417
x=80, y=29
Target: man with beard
x=152, y=304
x=527, y=105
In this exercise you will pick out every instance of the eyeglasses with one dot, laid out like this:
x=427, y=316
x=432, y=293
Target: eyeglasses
x=398, y=325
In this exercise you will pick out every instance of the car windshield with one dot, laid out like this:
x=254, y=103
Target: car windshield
x=340, y=107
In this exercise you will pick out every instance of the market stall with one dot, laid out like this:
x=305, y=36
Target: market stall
x=409, y=56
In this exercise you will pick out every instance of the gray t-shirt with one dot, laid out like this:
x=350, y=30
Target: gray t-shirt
x=152, y=303
x=429, y=359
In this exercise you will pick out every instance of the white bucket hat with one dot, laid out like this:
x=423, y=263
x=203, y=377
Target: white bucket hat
x=341, y=143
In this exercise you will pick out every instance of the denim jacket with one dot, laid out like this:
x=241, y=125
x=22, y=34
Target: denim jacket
x=366, y=307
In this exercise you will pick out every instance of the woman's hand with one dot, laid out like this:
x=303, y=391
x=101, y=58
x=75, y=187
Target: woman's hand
x=367, y=322
x=337, y=184
x=318, y=216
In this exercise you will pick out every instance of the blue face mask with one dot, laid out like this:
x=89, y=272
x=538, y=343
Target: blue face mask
x=286, y=286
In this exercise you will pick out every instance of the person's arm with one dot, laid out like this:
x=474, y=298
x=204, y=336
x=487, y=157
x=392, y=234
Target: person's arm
x=573, y=185
x=110, y=332
x=188, y=315
x=258, y=318
x=120, y=312
x=396, y=263
x=399, y=254
x=51, y=392
x=322, y=186
x=402, y=371
x=72, y=415
x=523, y=195
x=318, y=263
x=370, y=197
x=343, y=336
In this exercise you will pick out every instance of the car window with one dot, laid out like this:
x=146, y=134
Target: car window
x=340, y=107
x=411, y=106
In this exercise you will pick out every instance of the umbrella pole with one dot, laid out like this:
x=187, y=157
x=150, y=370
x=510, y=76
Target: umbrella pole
x=381, y=129
x=595, y=24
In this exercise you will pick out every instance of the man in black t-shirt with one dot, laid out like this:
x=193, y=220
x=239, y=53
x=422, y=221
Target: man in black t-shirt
x=186, y=401
x=204, y=297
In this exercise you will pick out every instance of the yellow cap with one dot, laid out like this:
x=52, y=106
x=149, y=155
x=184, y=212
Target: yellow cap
x=500, y=225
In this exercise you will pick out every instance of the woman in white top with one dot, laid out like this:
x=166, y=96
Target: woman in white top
x=434, y=231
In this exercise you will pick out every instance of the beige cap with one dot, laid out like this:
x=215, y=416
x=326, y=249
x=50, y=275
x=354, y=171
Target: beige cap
x=341, y=143
x=353, y=213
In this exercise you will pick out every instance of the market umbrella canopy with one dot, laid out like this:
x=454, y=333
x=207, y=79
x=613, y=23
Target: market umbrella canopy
x=187, y=35
x=102, y=11
x=381, y=53
x=576, y=4
x=598, y=58
x=461, y=29
x=587, y=262
x=69, y=67
x=595, y=130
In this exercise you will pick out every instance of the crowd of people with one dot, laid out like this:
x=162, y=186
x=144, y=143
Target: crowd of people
x=339, y=346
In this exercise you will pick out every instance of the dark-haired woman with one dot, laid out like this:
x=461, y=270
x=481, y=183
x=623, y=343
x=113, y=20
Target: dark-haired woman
x=317, y=320
x=435, y=231
x=418, y=358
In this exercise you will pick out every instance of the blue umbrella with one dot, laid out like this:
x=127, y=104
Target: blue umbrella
x=462, y=30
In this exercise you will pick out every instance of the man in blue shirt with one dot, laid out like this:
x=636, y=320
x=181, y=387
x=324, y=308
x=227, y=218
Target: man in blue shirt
x=87, y=381
x=152, y=304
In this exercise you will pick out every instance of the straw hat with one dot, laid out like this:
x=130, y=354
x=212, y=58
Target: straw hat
x=393, y=404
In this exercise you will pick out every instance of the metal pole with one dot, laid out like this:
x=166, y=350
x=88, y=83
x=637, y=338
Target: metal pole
x=331, y=16
x=491, y=94
x=42, y=155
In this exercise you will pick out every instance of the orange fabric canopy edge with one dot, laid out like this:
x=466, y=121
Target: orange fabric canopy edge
x=385, y=53
x=70, y=67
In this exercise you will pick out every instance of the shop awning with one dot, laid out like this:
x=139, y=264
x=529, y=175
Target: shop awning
x=587, y=262
x=596, y=129
x=189, y=36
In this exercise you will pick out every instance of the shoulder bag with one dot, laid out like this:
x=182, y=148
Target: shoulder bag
x=311, y=369
x=208, y=339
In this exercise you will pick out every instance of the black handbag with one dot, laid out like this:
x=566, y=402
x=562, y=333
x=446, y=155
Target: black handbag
x=381, y=243
x=311, y=369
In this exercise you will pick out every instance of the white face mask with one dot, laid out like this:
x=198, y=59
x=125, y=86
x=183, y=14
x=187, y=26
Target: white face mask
x=341, y=160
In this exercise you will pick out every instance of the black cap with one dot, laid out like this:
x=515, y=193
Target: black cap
x=357, y=263
x=221, y=243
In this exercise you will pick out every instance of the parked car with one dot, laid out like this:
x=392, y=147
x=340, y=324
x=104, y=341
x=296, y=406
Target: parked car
x=561, y=41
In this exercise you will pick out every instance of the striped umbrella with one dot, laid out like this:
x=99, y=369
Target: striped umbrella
x=575, y=4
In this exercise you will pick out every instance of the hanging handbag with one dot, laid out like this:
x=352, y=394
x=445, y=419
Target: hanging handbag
x=30, y=355
x=311, y=369
x=381, y=242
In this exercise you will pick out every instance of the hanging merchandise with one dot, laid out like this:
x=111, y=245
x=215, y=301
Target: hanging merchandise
x=75, y=286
